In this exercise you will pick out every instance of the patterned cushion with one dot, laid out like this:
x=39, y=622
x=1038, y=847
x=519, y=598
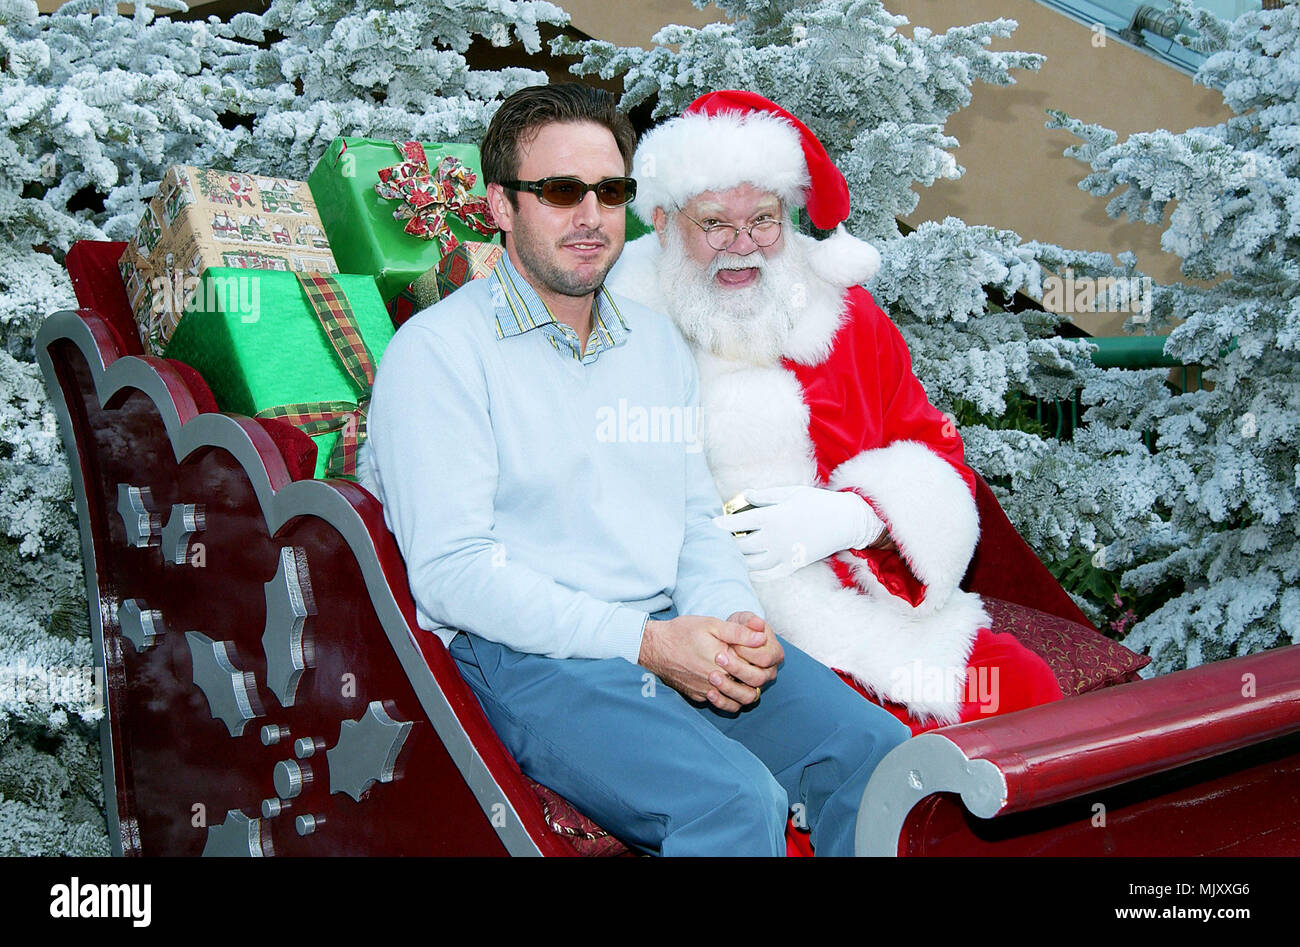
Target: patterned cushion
x=585, y=836
x=1082, y=659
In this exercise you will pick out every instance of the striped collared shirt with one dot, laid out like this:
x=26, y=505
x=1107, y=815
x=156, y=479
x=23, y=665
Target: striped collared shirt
x=519, y=309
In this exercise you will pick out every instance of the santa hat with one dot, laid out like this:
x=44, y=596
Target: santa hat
x=728, y=138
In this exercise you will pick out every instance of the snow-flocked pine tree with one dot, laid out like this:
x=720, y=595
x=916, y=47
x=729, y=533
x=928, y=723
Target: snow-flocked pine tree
x=1225, y=477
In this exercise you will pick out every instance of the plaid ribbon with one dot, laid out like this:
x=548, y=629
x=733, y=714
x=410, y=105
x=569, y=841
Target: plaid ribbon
x=472, y=260
x=331, y=306
x=430, y=199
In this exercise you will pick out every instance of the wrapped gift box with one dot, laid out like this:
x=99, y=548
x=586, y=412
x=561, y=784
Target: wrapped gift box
x=258, y=341
x=360, y=223
x=203, y=218
x=471, y=260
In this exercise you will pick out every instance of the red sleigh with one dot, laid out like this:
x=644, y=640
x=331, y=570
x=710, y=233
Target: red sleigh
x=269, y=692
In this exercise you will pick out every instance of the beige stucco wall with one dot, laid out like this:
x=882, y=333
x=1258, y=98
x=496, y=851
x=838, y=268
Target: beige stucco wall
x=633, y=23
x=1016, y=176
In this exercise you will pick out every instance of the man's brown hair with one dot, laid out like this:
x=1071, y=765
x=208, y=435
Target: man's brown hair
x=523, y=114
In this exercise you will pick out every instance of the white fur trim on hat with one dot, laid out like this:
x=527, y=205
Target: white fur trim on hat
x=695, y=153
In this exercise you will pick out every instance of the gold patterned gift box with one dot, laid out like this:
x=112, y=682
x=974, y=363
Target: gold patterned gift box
x=203, y=218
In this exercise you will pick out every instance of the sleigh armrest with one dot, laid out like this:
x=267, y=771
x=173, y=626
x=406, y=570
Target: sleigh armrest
x=1041, y=759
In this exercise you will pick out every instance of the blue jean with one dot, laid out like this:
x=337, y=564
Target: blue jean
x=672, y=778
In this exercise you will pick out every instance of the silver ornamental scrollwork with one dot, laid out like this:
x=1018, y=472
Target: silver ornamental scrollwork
x=238, y=836
x=289, y=602
x=142, y=521
x=141, y=626
x=231, y=693
x=366, y=751
x=185, y=520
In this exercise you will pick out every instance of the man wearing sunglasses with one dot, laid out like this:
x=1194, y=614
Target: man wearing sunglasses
x=862, y=515
x=570, y=565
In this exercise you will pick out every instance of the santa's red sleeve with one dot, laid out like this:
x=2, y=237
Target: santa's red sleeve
x=876, y=433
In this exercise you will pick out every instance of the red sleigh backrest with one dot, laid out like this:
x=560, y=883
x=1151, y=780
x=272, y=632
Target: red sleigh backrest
x=1005, y=567
x=97, y=282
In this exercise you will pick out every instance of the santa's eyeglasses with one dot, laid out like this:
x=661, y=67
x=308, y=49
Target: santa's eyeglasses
x=570, y=192
x=764, y=231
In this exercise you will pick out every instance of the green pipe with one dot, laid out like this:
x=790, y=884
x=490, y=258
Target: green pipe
x=1131, y=351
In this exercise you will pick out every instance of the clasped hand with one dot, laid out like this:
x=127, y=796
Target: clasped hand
x=726, y=663
x=792, y=527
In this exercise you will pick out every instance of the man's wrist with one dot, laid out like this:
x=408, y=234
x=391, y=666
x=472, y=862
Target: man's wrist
x=636, y=634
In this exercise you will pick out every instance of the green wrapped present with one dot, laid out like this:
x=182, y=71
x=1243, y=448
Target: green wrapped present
x=298, y=346
x=394, y=209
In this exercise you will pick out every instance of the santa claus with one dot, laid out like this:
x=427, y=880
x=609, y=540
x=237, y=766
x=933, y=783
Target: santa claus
x=861, y=515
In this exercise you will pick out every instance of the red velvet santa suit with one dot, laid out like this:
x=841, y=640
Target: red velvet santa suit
x=842, y=410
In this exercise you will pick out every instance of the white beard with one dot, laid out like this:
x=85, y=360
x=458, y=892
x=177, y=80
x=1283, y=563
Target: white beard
x=750, y=324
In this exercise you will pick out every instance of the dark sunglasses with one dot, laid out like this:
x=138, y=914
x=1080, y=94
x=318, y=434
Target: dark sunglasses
x=569, y=192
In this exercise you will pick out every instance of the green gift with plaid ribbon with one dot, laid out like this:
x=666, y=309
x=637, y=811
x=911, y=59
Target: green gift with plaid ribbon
x=298, y=346
x=364, y=234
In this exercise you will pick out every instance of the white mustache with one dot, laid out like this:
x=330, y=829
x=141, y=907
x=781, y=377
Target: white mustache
x=732, y=261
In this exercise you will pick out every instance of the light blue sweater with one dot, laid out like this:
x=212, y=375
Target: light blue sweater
x=542, y=502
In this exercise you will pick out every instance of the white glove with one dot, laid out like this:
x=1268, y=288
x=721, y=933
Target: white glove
x=792, y=527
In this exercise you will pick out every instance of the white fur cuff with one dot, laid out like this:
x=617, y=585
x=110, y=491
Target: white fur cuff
x=929, y=509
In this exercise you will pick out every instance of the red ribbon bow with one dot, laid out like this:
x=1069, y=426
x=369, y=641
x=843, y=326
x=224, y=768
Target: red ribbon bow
x=430, y=199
